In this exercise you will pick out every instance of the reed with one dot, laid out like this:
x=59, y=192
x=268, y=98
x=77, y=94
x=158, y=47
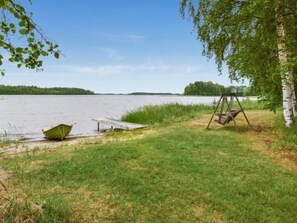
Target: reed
x=166, y=114
x=249, y=104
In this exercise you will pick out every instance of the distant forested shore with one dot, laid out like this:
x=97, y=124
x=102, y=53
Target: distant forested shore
x=34, y=90
x=151, y=93
x=211, y=89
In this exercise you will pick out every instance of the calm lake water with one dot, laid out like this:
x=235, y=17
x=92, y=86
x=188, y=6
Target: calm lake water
x=24, y=116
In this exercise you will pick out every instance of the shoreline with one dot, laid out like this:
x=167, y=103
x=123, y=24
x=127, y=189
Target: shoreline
x=16, y=147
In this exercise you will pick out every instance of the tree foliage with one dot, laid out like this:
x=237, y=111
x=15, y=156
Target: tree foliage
x=21, y=39
x=204, y=89
x=33, y=90
x=243, y=34
x=210, y=89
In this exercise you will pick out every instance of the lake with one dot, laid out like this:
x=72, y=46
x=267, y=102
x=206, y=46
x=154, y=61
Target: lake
x=23, y=116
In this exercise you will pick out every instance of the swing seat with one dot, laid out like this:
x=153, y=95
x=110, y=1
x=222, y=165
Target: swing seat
x=229, y=114
x=227, y=117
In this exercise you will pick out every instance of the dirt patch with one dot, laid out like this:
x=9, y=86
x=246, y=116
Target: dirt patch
x=288, y=159
x=202, y=213
x=268, y=142
x=290, y=156
x=4, y=175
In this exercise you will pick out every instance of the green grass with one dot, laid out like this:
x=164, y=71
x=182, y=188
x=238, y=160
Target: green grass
x=287, y=136
x=166, y=114
x=4, y=141
x=172, y=113
x=177, y=173
x=248, y=104
x=17, y=207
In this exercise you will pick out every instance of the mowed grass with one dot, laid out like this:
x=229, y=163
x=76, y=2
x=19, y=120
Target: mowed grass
x=179, y=173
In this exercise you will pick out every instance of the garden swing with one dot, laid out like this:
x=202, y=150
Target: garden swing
x=225, y=116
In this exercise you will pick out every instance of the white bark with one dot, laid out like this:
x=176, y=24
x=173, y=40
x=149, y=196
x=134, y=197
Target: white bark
x=293, y=94
x=289, y=99
x=287, y=103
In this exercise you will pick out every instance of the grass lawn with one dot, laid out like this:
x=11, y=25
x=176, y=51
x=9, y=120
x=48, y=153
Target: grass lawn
x=176, y=172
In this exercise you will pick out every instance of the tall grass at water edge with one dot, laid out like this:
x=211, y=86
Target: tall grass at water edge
x=169, y=113
x=248, y=104
x=165, y=114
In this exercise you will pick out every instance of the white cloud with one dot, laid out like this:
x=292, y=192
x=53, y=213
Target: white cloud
x=126, y=38
x=124, y=69
x=189, y=68
x=112, y=53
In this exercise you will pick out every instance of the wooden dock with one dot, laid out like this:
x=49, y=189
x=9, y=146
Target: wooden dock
x=116, y=124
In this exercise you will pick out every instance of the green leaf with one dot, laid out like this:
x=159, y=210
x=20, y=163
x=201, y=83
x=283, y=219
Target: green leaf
x=57, y=55
x=23, y=31
x=39, y=63
x=16, y=15
x=22, y=23
x=30, y=40
x=19, y=50
x=2, y=3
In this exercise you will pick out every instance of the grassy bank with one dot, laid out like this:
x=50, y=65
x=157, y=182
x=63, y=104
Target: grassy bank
x=175, y=172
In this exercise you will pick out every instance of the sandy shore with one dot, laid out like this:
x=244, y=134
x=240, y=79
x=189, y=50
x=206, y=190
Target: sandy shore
x=27, y=145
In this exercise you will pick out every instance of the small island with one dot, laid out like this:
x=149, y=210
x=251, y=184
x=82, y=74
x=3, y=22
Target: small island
x=34, y=90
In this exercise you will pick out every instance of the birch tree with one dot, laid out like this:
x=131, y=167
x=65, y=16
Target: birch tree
x=21, y=40
x=256, y=39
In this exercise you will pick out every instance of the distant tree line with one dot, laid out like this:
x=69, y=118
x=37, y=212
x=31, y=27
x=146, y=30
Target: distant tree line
x=211, y=89
x=33, y=90
x=150, y=93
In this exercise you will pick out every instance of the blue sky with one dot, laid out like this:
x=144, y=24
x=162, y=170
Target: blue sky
x=117, y=46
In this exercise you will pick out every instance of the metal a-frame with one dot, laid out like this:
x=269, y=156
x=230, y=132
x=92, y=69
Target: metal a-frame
x=225, y=116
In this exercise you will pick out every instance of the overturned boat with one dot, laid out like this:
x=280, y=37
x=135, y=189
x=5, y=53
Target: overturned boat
x=58, y=132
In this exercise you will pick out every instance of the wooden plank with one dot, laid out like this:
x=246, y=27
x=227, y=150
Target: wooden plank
x=117, y=124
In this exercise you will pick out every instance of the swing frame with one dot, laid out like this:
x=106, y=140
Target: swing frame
x=230, y=114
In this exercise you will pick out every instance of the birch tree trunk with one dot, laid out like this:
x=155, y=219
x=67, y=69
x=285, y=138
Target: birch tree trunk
x=289, y=98
x=293, y=93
